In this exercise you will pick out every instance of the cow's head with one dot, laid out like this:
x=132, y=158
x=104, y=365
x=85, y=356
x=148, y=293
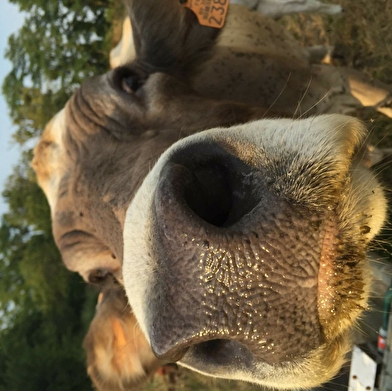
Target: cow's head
x=242, y=249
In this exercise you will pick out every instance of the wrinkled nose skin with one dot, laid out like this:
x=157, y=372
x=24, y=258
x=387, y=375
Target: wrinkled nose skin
x=235, y=262
x=244, y=249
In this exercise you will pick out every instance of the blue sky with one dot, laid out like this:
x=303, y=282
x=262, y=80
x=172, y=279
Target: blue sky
x=10, y=21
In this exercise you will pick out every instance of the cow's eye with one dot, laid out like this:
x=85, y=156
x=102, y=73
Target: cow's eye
x=127, y=79
x=131, y=83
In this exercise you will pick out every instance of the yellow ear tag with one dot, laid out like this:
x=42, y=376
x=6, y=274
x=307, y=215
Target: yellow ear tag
x=211, y=13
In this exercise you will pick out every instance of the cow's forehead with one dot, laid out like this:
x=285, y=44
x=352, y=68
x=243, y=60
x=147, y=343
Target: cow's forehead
x=49, y=157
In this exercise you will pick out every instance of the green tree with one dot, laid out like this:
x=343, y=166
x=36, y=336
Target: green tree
x=42, y=350
x=60, y=44
x=45, y=309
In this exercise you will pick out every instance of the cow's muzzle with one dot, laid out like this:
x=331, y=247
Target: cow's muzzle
x=237, y=265
x=244, y=249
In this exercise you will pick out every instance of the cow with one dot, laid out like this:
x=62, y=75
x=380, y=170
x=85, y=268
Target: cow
x=203, y=179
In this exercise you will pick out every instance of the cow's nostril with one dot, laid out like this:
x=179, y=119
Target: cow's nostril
x=215, y=352
x=216, y=186
x=209, y=194
x=213, y=349
x=221, y=352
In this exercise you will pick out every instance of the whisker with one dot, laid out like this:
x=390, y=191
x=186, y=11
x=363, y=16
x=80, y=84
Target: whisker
x=303, y=97
x=382, y=138
x=317, y=103
x=279, y=95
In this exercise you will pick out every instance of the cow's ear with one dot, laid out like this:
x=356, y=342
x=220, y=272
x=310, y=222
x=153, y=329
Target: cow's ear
x=118, y=355
x=168, y=36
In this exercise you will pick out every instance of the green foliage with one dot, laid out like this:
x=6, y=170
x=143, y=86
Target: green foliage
x=60, y=44
x=26, y=201
x=45, y=309
x=41, y=351
x=30, y=259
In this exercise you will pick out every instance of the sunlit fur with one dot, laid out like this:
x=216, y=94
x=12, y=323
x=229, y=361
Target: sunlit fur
x=119, y=358
x=49, y=166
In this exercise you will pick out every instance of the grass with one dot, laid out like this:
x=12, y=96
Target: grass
x=362, y=38
x=360, y=35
